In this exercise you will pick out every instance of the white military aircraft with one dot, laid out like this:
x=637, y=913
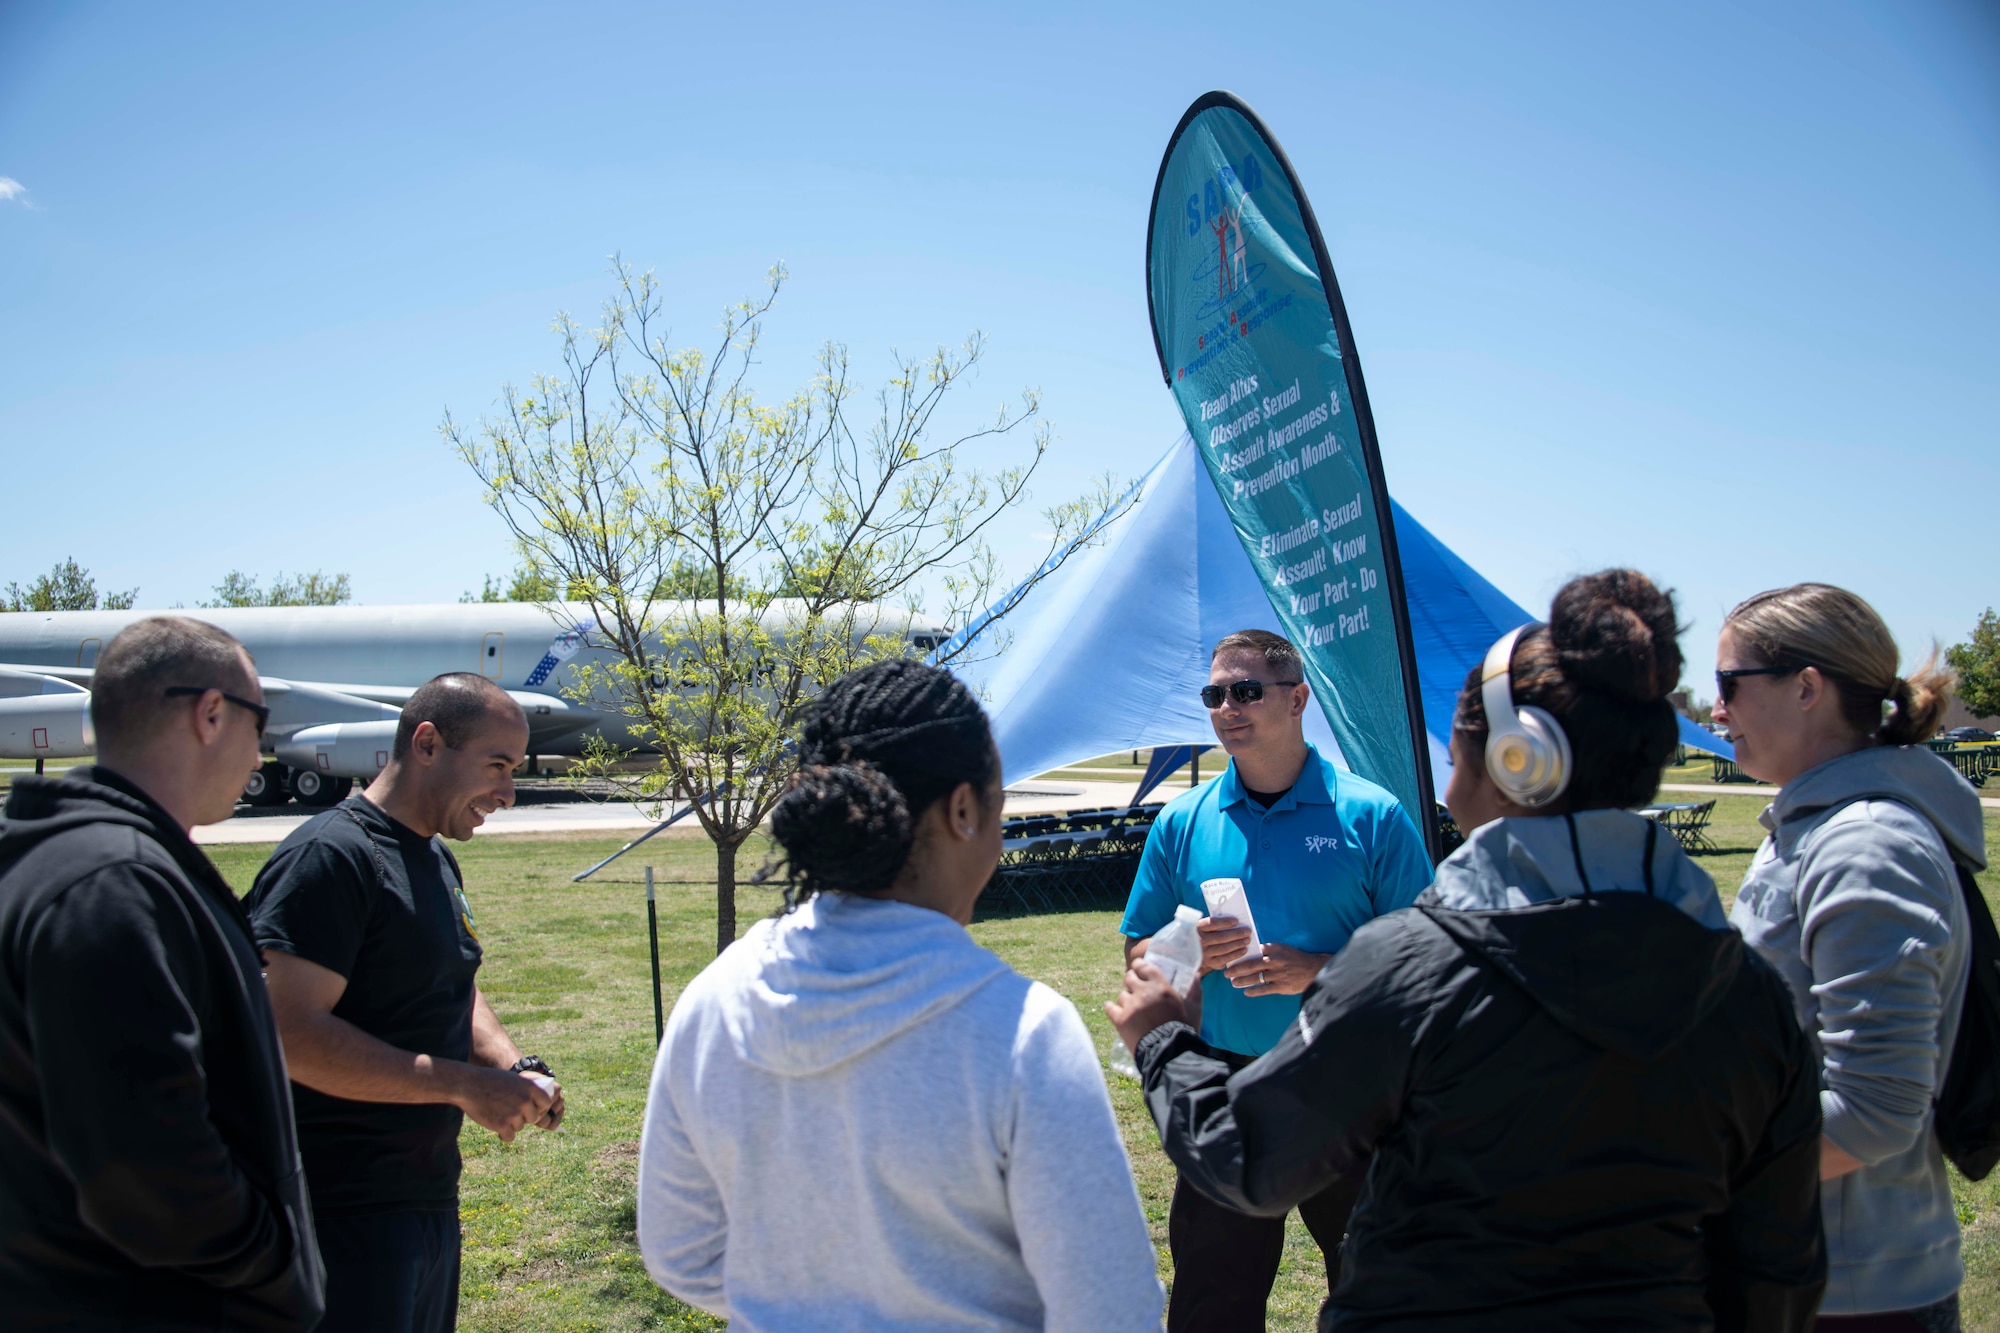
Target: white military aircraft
x=334, y=677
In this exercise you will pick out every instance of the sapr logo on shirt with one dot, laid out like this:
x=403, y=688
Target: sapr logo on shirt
x=1317, y=845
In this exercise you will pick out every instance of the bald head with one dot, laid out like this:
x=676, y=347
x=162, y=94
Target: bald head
x=457, y=745
x=458, y=704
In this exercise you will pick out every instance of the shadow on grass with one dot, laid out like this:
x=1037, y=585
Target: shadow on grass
x=986, y=910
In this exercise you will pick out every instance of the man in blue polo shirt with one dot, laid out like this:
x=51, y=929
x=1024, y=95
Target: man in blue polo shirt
x=1320, y=852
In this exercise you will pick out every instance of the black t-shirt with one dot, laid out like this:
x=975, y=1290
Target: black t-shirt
x=357, y=892
x=1267, y=799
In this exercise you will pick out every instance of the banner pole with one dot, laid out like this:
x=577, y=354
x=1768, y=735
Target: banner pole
x=1255, y=345
x=653, y=934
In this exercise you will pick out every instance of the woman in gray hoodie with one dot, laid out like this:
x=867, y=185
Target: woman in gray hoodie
x=1854, y=898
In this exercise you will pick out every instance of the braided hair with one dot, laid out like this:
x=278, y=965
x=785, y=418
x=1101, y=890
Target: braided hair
x=878, y=747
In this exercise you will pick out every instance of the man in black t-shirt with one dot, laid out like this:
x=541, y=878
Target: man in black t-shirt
x=372, y=956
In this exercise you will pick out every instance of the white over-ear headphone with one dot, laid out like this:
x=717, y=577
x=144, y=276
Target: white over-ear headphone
x=1527, y=754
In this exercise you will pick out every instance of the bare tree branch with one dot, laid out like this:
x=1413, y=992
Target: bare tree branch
x=733, y=555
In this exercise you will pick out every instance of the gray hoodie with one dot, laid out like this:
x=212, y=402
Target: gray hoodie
x=1533, y=859
x=862, y=1120
x=1853, y=898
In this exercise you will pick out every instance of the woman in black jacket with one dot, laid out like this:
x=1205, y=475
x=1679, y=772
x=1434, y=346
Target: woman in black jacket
x=1578, y=1102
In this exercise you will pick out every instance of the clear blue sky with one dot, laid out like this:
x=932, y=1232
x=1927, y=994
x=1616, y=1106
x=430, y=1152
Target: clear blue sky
x=1708, y=289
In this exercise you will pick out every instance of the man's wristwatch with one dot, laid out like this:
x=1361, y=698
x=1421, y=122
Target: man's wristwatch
x=532, y=1064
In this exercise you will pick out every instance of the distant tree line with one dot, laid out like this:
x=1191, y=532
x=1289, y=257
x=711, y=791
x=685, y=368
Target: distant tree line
x=67, y=587
x=314, y=589
x=70, y=587
x=684, y=582
x=526, y=584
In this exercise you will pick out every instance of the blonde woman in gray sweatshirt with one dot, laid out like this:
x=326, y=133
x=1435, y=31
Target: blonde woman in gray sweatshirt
x=1854, y=898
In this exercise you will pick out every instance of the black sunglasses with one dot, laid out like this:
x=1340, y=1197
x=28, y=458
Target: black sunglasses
x=263, y=713
x=1243, y=691
x=1725, y=681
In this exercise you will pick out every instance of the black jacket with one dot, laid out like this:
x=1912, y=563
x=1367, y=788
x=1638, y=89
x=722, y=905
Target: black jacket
x=149, y=1177
x=1584, y=1114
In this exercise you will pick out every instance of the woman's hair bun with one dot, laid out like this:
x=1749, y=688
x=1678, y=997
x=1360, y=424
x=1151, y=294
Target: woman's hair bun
x=1603, y=669
x=845, y=828
x=1615, y=631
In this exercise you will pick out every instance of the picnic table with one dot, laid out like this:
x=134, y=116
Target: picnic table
x=1687, y=821
x=1725, y=770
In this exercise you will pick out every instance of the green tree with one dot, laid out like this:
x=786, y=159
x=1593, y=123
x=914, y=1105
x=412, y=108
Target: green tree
x=526, y=584
x=67, y=587
x=491, y=592
x=1977, y=662
x=530, y=585
x=315, y=589
x=736, y=553
x=690, y=581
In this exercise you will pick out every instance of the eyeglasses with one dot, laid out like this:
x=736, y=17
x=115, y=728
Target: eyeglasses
x=263, y=713
x=1243, y=691
x=1725, y=681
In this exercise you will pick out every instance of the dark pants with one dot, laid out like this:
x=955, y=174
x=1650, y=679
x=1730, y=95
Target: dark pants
x=390, y=1272
x=1939, y=1318
x=1225, y=1261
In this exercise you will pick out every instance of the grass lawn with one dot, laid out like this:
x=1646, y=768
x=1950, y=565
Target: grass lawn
x=549, y=1219
x=18, y=768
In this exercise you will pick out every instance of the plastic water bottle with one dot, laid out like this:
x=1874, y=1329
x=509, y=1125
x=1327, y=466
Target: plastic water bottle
x=1176, y=951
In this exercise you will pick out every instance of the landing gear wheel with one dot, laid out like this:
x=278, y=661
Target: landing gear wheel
x=340, y=788
x=266, y=786
x=313, y=788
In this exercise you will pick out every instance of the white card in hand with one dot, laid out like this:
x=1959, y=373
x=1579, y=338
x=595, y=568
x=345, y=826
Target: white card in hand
x=1225, y=897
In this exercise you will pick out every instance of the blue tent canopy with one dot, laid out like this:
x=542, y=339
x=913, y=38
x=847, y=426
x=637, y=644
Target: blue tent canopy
x=1110, y=652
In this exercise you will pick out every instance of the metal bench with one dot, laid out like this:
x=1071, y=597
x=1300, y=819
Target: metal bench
x=1688, y=822
x=1973, y=762
x=1076, y=860
x=1450, y=836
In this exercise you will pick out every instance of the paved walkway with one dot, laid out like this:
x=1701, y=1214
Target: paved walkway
x=1043, y=795
x=1729, y=789
x=1026, y=798
x=1212, y=765
x=574, y=817
x=1742, y=789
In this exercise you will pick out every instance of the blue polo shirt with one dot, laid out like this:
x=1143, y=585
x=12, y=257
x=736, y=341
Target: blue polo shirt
x=1334, y=853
